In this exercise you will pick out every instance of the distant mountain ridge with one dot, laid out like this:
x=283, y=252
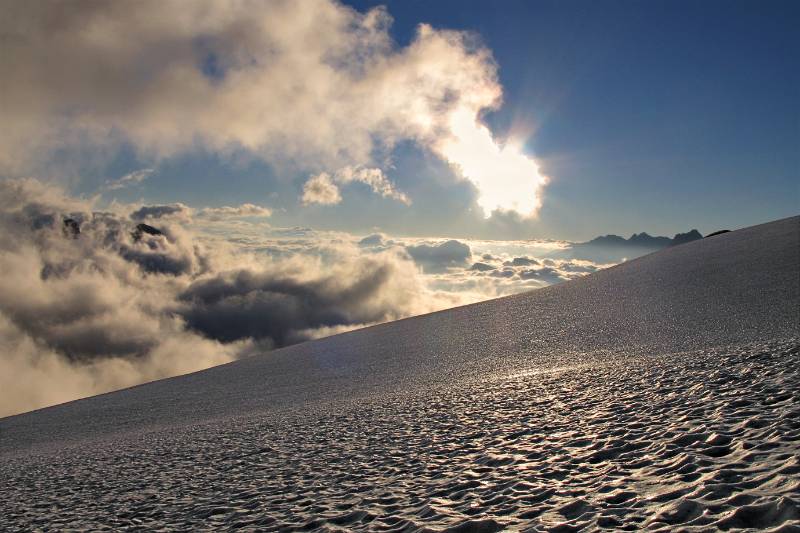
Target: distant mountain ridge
x=644, y=239
x=613, y=248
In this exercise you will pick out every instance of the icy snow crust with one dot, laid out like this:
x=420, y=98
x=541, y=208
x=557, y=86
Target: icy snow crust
x=662, y=393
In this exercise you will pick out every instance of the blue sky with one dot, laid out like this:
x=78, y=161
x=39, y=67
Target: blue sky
x=645, y=116
x=648, y=115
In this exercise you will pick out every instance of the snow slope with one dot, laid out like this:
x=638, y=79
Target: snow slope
x=663, y=391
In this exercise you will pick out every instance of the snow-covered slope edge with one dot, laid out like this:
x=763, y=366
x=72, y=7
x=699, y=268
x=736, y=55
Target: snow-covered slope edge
x=739, y=287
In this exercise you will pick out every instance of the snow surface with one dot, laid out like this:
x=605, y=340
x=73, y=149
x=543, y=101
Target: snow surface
x=663, y=392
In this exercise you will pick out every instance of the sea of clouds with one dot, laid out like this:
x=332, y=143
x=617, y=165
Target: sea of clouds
x=93, y=299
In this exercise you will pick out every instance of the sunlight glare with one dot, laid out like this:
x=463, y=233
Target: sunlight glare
x=505, y=177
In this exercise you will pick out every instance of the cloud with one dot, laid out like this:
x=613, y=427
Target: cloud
x=547, y=274
x=375, y=178
x=91, y=301
x=482, y=267
x=153, y=212
x=521, y=261
x=179, y=212
x=501, y=268
x=277, y=305
x=129, y=180
x=373, y=241
x=89, y=311
x=244, y=210
x=323, y=189
x=315, y=84
x=436, y=257
x=519, y=271
x=507, y=179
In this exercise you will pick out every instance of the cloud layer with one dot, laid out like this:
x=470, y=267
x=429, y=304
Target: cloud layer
x=92, y=301
x=313, y=83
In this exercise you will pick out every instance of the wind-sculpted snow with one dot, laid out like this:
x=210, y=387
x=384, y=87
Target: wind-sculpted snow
x=699, y=439
x=662, y=394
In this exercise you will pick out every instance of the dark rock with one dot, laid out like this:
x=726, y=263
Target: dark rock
x=72, y=228
x=720, y=232
x=690, y=236
x=143, y=228
x=605, y=240
x=646, y=241
x=613, y=248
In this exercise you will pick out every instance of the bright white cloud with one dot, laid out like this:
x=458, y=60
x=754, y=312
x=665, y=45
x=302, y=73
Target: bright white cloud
x=507, y=179
x=323, y=189
x=314, y=83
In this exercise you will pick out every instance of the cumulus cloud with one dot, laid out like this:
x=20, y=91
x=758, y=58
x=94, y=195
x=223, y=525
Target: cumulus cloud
x=503, y=267
x=451, y=266
x=277, y=306
x=87, y=311
x=313, y=82
x=436, y=257
x=526, y=272
x=323, y=189
x=375, y=179
x=95, y=300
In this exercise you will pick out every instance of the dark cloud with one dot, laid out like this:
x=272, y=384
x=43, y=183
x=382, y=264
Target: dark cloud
x=584, y=268
x=437, y=257
x=546, y=274
x=161, y=211
x=482, y=267
x=278, y=306
x=101, y=302
x=372, y=241
x=521, y=261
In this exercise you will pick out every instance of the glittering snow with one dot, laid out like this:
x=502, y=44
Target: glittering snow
x=661, y=393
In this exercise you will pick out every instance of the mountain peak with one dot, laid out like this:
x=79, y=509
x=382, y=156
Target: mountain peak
x=689, y=236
